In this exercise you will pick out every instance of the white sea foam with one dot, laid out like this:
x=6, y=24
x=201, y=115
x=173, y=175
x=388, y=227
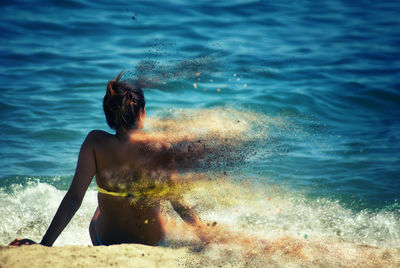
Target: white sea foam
x=28, y=210
x=267, y=213
x=271, y=212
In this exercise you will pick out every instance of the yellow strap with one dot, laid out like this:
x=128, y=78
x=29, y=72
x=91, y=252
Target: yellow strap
x=103, y=191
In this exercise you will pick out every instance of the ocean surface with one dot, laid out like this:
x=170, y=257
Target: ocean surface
x=317, y=80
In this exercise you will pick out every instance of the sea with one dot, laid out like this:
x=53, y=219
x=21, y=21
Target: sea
x=316, y=82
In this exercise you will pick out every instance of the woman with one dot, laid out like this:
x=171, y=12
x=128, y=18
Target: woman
x=120, y=163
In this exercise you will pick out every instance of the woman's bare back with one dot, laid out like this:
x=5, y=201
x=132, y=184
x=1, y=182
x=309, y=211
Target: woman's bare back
x=119, y=165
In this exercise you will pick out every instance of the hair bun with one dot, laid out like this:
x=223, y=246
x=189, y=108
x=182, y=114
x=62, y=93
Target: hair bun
x=122, y=104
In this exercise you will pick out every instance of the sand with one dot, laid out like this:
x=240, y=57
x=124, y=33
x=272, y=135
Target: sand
x=278, y=252
x=89, y=256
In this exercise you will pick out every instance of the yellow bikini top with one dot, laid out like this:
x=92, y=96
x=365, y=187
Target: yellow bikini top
x=143, y=193
x=124, y=194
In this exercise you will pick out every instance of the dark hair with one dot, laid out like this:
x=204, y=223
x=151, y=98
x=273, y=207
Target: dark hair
x=122, y=103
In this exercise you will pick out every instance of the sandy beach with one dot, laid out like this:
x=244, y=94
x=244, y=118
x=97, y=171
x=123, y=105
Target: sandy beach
x=89, y=256
x=283, y=252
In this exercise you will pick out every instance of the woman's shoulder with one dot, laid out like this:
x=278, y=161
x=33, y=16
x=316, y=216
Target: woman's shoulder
x=97, y=135
x=100, y=140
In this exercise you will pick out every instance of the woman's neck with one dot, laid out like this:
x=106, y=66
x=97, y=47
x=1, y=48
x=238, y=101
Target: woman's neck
x=122, y=135
x=125, y=135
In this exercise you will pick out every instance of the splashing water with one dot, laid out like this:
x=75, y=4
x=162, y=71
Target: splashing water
x=263, y=224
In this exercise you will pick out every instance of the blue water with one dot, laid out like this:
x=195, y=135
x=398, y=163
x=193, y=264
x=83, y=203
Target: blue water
x=327, y=71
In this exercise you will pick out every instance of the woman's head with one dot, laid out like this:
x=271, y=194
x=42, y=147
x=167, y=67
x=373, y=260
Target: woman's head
x=123, y=105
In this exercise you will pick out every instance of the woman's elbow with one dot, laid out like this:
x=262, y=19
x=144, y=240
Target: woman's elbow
x=73, y=200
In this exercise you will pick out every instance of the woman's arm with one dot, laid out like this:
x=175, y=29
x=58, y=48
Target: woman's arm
x=187, y=213
x=205, y=231
x=84, y=173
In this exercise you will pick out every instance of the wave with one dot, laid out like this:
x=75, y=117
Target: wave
x=242, y=205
